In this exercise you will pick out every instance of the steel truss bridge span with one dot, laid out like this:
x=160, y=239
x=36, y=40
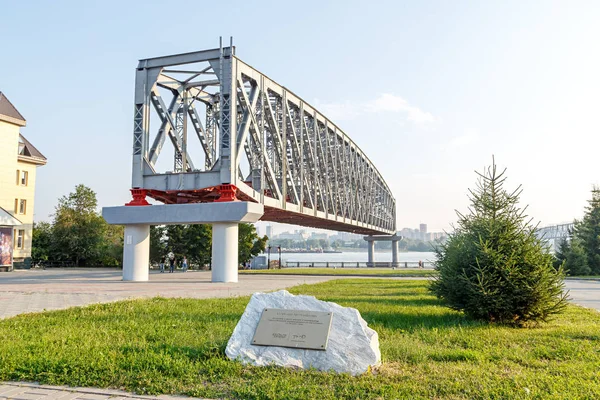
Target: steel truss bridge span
x=554, y=234
x=255, y=141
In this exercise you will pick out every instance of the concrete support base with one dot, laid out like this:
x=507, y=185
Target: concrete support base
x=136, y=253
x=224, y=218
x=225, y=252
x=371, y=250
x=395, y=262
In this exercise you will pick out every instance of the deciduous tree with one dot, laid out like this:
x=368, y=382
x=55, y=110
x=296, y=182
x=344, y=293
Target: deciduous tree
x=250, y=244
x=78, y=229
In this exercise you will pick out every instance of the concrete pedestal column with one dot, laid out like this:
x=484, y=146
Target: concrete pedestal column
x=395, y=253
x=371, y=250
x=136, y=253
x=225, y=252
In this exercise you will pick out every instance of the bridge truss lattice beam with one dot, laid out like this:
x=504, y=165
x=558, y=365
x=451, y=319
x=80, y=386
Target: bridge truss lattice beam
x=555, y=232
x=257, y=135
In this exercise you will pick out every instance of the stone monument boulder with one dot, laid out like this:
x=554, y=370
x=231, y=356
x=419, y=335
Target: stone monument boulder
x=353, y=347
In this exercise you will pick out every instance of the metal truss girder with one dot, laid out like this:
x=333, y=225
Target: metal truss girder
x=280, y=146
x=175, y=182
x=184, y=58
x=303, y=167
x=298, y=152
x=250, y=125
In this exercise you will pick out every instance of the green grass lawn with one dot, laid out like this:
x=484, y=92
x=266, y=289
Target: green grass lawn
x=343, y=271
x=177, y=346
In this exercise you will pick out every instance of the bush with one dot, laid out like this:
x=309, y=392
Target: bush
x=493, y=267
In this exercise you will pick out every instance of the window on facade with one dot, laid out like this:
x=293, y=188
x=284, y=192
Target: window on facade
x=22, y=177
x=19, y=238
x=22, y=206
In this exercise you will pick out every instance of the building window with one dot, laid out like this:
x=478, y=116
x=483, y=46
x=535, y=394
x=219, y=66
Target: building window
x=19, y=238
x=22, y=177
x=20, y=206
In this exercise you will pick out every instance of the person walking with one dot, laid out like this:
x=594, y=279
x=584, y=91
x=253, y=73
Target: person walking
x=184, y=264
x=162, y=264
x=171, y=264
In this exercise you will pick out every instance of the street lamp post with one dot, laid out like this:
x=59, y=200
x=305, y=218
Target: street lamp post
x=269, y=257
x=279, y=247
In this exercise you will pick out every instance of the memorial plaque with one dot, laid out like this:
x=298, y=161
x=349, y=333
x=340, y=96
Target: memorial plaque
x=293, y=328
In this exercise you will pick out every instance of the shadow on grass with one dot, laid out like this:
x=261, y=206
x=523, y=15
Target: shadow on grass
x=411, y=322
x=397, y=301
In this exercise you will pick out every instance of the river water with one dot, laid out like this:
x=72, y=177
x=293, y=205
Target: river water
x=379, y=256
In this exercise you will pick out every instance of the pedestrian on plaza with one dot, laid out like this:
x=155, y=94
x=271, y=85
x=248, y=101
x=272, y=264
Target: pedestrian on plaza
x=162, y=264
x=420, y=264
x=184, y=264
x=171, y=264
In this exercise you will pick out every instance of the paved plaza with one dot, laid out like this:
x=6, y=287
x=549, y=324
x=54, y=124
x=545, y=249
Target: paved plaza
x=32, y=391
x=25, y=291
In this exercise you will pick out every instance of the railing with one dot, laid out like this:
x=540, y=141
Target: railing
x=354, y=264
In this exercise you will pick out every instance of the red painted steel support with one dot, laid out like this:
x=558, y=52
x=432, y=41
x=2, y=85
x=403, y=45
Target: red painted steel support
x=227, y=193
x=139, y=198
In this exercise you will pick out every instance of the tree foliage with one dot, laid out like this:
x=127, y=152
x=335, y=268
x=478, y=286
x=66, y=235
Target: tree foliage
x=195, y=242
x=580, y=254
x=78, y=228
x=199, y=244
x=41, y=242
x=493, y=267
x=158, y=243
x=78, y=234
x=587, y=234
x=249, y=243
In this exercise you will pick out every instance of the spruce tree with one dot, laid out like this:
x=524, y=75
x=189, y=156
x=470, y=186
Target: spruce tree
x=561, y=253
x=576, y=261
x=493, y=267
x=587, y=231
x=572, y=257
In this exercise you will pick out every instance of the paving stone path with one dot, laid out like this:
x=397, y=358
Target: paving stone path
x=29, y=291
x=32, y=391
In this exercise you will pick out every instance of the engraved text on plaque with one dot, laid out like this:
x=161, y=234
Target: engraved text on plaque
x=293, y=328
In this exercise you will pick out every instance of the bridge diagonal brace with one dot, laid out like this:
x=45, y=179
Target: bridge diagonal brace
x=296, y=147
x=280, y=145
x=200, y=132
x=159, y=105
x=159, y=140
x=252, y=128
x=312, y=154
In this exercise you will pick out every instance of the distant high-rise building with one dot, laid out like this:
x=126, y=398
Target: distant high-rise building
x=423, y=228
x=269, y=231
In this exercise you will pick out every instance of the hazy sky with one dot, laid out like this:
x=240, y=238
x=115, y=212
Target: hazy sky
x=429, y=89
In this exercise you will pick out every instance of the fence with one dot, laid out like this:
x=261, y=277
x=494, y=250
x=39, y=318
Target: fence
x=354, y=264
